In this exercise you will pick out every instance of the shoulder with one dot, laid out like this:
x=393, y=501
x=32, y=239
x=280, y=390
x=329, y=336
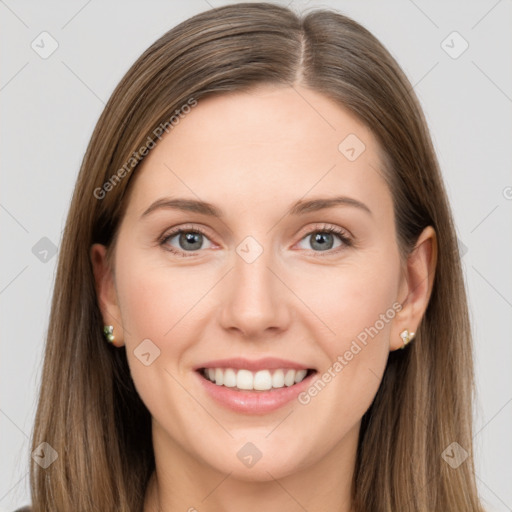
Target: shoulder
x=24, y=509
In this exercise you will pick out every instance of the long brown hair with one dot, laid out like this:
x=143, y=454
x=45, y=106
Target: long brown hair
x=89, y=410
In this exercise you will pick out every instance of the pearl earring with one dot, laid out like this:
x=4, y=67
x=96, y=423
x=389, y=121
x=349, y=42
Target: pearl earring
x=406, y=337
x=108, y=332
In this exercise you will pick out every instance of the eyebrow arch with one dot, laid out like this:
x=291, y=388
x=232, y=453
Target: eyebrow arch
x=321, y=203
x=298, y=208
x=187, y=205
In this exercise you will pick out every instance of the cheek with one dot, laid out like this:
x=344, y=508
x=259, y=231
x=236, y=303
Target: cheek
x=353, y=300
x=157, y=300
x=157, y=304
x=365, y=301
x=358, y=304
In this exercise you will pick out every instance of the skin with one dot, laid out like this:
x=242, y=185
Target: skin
x=253, y=154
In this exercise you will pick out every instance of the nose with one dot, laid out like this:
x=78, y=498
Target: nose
x=256, y=303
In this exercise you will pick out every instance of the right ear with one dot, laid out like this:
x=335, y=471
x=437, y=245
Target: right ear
x=106, y=291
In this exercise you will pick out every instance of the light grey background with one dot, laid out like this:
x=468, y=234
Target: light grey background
x=50, y=106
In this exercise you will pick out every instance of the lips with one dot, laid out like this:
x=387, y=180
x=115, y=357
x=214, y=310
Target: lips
x=254, y=386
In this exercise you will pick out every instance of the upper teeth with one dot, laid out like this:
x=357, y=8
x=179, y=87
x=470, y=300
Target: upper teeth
x=260, y=380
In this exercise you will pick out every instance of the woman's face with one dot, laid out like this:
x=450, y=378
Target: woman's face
x=262, y=287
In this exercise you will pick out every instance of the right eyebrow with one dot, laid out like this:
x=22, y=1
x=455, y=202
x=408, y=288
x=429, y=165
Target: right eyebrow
x=188, y=205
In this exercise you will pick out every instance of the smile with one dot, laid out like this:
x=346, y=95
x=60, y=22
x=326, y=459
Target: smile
x=262, y=380
x=253, y=387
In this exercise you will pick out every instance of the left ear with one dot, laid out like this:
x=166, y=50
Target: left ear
x=415, y=286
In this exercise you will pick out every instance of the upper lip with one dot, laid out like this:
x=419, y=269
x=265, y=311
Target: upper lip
x=266, y=363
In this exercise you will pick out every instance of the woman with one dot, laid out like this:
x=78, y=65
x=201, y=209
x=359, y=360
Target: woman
x=259, y=302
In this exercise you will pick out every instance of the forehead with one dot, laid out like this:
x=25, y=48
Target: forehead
x=267, y=146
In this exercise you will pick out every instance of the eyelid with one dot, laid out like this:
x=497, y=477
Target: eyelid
x=325, y=226
x=184, y=227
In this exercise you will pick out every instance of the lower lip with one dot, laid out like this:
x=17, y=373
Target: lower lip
x=254, y=402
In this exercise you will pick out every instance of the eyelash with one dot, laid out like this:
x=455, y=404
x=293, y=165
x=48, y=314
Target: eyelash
x=345, y=239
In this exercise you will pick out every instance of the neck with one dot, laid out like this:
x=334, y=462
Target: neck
x=183, y=483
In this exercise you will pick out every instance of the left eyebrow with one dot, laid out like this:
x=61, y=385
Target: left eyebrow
x=300, y=207
x=321, y=203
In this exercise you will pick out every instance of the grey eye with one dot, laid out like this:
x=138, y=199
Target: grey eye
x=188, y=240
x=322, y=240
